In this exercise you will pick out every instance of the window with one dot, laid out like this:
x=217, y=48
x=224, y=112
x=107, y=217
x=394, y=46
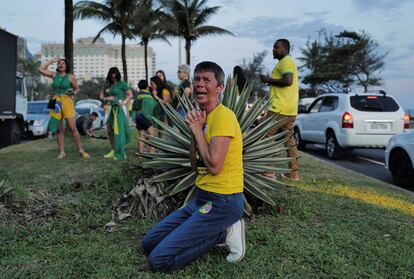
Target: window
x=37, y=108
x=374, y=103
x=316, y=105
x=19, y=86
x=329, y=103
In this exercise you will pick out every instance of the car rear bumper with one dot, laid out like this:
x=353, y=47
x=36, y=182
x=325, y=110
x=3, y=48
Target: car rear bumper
x=348, y=138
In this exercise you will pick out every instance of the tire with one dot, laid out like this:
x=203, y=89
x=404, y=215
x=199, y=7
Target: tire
x=300, y=143
x=333, y=150
x=15, y=133
x=10, y=133
x=402, y=169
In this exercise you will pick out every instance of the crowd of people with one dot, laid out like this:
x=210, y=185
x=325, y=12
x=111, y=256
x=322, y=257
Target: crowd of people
x=214, y=216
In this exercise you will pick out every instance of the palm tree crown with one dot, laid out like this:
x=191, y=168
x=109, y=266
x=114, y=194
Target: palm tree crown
x=118, y=15
x=187, y=19
x=148, y=25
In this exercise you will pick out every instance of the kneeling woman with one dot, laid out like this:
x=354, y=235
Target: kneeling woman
x=117, y=123
x=65, y=87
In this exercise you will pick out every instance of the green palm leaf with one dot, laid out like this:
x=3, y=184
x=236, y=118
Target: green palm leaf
x=171, y=175
x=187, y=182
x=254, y=190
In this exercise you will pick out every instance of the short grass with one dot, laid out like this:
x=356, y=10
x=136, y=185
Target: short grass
x=336, y=224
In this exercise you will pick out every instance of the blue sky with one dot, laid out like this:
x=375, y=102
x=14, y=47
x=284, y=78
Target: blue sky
x=256, y=25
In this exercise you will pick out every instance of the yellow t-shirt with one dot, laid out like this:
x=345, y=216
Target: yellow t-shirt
x=223, y=122
x=285, y=99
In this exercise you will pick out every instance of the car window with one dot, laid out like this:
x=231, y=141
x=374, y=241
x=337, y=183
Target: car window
x=316, y=105
x=329, y=104
x=374, y=103
x=37, y=108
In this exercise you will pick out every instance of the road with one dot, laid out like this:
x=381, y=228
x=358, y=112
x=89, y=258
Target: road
x=369, y=162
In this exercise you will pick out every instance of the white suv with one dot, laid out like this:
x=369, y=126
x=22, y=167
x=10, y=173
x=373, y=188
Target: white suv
x=341, y=120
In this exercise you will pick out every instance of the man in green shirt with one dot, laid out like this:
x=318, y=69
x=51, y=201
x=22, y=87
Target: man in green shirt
x=146, y=107
x=284, y=92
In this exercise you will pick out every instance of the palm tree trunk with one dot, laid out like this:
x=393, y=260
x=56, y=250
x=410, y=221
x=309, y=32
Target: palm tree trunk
x=69, y=34
x=146, y=59
x=188, y=51
x=123, y=55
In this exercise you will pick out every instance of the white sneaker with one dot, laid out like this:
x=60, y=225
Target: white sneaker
x=236, y=242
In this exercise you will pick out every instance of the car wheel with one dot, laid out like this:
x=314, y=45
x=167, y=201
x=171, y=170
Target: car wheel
x=333, y=150
x=402, y=169
x=300, y=143
x=15, y=133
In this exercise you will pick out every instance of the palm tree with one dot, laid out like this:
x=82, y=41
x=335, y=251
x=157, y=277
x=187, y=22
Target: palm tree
x=117, y=14
x=187, y=19
x=148, y=25
x=69, y=33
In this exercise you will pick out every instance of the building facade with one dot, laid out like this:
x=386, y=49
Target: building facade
x=93, y=60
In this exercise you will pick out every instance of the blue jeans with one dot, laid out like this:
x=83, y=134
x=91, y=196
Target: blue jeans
x=191, y=231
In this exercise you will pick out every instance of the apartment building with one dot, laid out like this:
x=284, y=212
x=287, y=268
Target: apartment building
x=93, y=60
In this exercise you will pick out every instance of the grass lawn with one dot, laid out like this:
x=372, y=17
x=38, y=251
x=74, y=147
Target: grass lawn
x=336, y=224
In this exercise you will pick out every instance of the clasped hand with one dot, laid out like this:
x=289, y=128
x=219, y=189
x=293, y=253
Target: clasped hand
x=196, y=120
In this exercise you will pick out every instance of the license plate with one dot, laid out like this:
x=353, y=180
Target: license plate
x=381, y=126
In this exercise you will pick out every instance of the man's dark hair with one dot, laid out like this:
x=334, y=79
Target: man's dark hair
x=208, y=66
x=113, y=70
x=143, y=84
x=95, y=114
x=285, y=43
x=67, y=65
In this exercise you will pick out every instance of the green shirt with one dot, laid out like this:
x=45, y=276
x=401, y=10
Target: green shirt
x=61, y=84
x=119, y=90
x=146, y=104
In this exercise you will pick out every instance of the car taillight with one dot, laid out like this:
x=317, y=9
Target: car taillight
x=347, y=121
x=406, y=121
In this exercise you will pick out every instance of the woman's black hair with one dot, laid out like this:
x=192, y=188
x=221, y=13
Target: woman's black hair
x=160, y=85
x=162, y=73
x=166, y=86
x=67, y=65
x=113, y=70
x=241, y=77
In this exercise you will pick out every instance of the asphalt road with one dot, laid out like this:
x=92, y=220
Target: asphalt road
x=369, y=162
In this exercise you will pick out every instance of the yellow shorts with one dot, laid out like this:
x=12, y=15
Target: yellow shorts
x=65, y=107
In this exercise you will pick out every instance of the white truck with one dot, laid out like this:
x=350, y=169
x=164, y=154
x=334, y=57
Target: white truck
x=13, y=92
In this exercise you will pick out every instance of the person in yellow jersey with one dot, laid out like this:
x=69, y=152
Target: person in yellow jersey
x=214, y=215
x=284, y=92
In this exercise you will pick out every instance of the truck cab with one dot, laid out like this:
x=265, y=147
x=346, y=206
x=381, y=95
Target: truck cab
x=13, y=93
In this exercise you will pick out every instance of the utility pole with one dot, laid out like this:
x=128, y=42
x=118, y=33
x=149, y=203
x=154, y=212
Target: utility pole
x=179, y=51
